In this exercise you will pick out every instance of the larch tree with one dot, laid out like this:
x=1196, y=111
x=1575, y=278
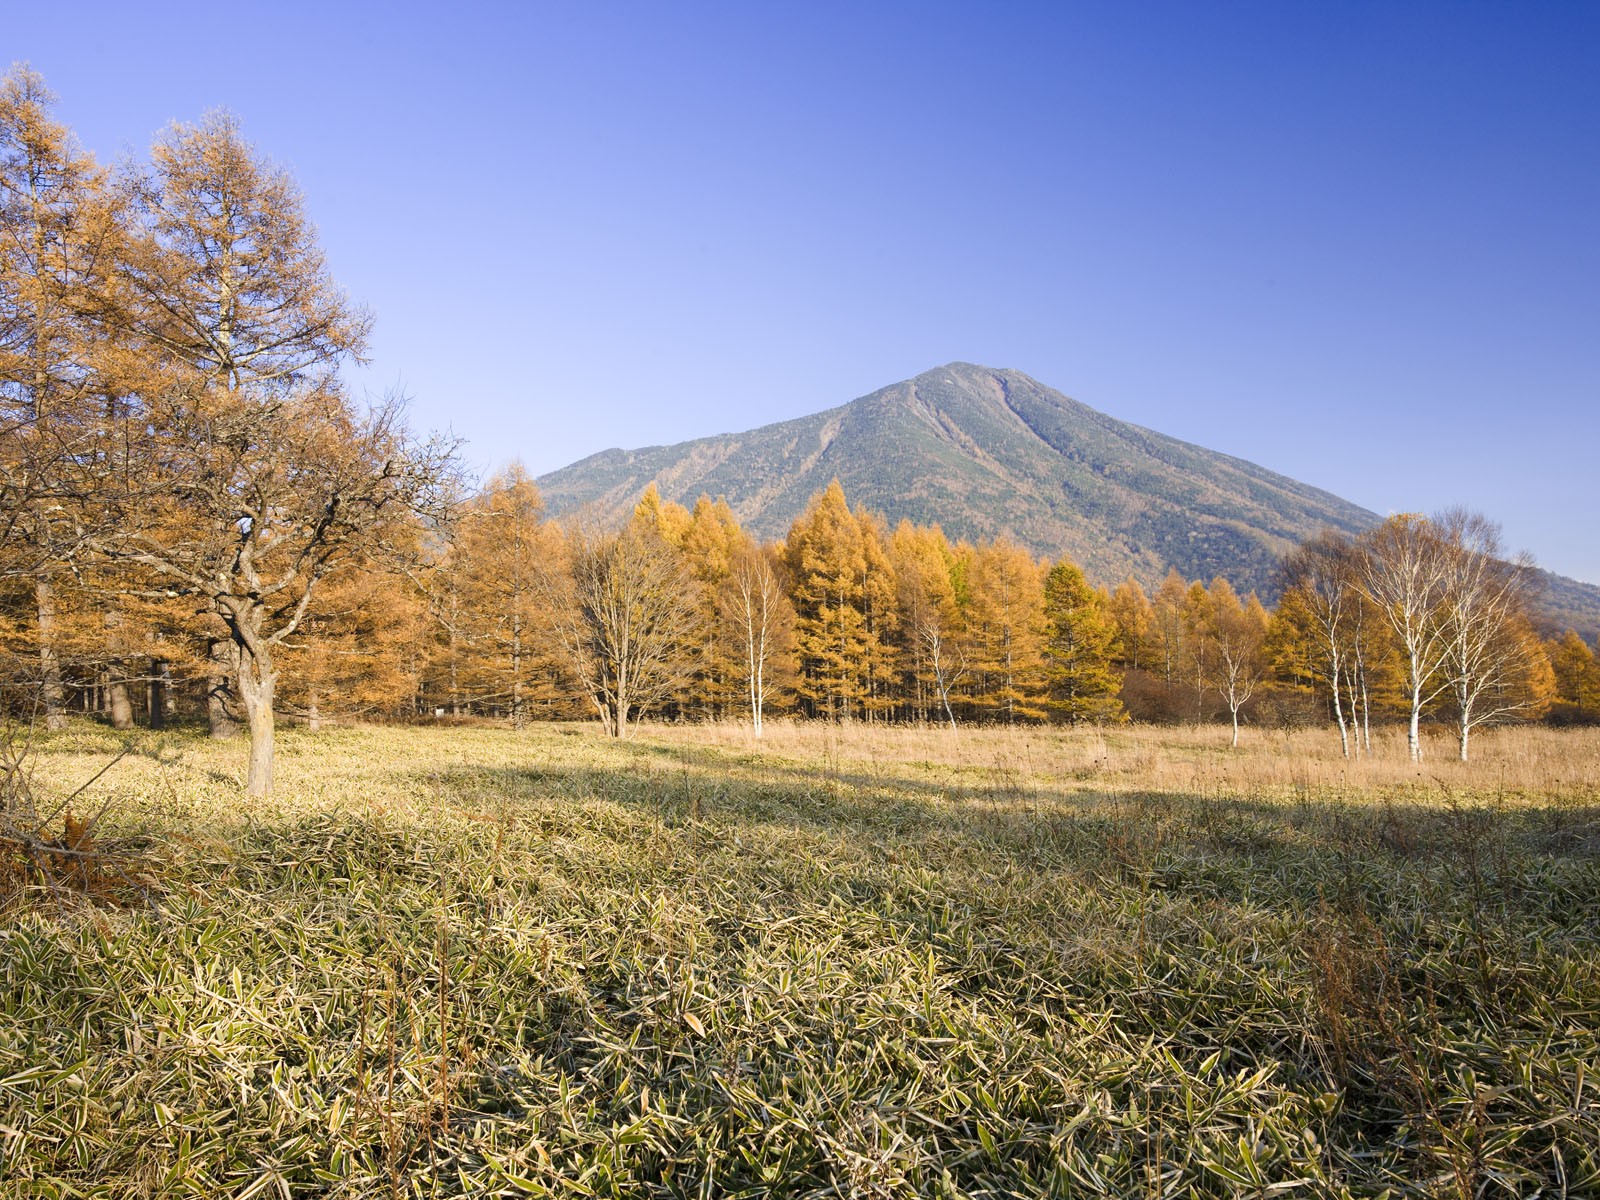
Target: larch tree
x=1576, y=672
x=1197, y=646
x=252, y=475
x=1134, y=618
x=1008, y=627
x=360, y=650
x=930, y=619
x=502, y=549
x=880, y=616
x=59, y=231
x=1167, y=627
x=1078, y=648
x=827, y=563
x=710, y=544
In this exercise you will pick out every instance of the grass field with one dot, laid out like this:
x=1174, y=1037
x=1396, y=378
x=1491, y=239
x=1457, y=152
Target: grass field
x=839, y=962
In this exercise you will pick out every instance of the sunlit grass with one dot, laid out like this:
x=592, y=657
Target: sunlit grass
x=848, y=961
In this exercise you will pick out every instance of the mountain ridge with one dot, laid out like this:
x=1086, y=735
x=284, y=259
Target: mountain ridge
x=985, y=452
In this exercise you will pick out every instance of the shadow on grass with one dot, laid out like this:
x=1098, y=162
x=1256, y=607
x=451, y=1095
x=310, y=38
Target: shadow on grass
x=1292, y=852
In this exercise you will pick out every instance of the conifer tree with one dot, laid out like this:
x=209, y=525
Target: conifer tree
x=710, y=543
x=1008, y=624
x=1576, y=674
x=502, y=549
x=1078, y=648
x=1134, y=618
x=59, y=232
x=936, y=654
x=827, y=561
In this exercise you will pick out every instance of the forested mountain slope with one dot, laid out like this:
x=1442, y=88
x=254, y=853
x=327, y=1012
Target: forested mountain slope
x=984, y=452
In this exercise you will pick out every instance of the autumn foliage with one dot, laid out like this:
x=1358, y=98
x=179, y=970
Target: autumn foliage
x=200, y=520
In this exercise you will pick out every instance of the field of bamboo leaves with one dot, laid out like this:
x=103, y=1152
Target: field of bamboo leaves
x=836, y=962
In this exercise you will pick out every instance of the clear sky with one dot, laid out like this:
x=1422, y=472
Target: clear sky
x=1356, y=243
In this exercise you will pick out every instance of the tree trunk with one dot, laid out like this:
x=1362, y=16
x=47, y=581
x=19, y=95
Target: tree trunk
x=1413, y=732
x=313, y=713
x=518, y=717
x=1366, y=710
x=1338, y=713
x=51, y=692
x=220, y=689
x=257, y=684
x=156, y=692
x=120, y=706
x=455, y=675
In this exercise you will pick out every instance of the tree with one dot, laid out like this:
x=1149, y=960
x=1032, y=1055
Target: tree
x=1321, y=575
x=501, y=548
x=756, y=607
x=1134, y=618
x=1078, y=647
x=247, y=475
x=57, y=234
x=1235, y=634
x=360, y=649
x=1007, y=624
x=880, y=616
x=710, y=544
x=1491, y=658
x=1577, y=678
x=827, y=561
x=1405, y=570
x=936, y=650
x=624, y=615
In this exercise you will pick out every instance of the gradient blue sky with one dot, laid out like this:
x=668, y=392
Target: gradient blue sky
x=1356, y=243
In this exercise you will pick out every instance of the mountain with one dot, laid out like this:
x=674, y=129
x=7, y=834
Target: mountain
x=983, y=452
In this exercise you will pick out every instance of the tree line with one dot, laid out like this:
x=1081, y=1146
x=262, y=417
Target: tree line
x=199, y=518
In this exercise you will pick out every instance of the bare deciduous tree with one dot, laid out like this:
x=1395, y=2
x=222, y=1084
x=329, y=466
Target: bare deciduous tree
x=1488, y=648
x=1322, y=571
x=1236, y=633
x=757, y=605
x=1405, y=569
x=623, y=613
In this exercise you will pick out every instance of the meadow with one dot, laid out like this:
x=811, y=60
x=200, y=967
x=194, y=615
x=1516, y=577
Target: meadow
x=838, y=961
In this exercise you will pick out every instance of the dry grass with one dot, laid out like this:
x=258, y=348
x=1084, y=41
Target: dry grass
x=838, y=962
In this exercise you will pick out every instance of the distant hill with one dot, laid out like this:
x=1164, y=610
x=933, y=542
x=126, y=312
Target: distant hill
x=983, y=452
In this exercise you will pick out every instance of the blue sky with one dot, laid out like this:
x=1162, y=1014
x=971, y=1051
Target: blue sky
x=1356, y=243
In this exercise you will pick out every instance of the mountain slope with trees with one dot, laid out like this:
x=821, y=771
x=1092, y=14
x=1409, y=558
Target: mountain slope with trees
x=984, y=452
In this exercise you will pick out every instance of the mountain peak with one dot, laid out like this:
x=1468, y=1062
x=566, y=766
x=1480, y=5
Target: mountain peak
x=986, y=452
